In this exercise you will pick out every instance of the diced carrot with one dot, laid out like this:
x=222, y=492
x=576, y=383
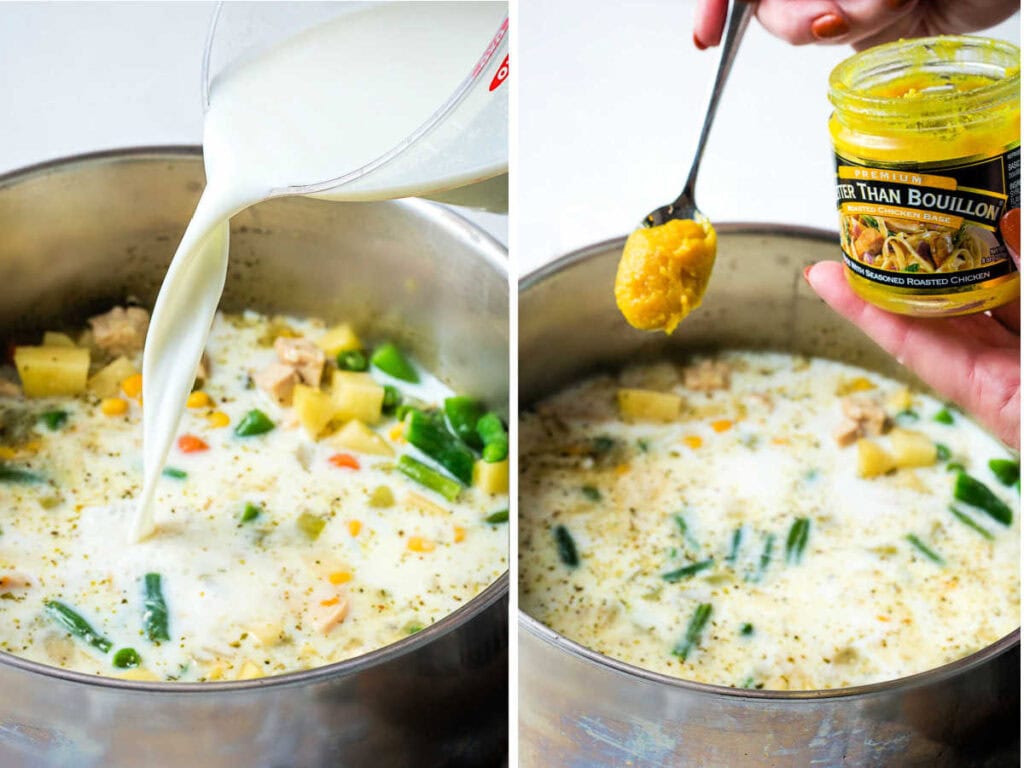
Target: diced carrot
x=339, y=577
x=721, y=425
x=460, y=534
x=354, y=527
x=132, y=386
x=883, y=618
x=344, y=460
x=198, y=399
x=218, y=419
x=693, y=441
x=331, y=601
x=192, y=444
x=780, y=440
x=113, y=406
x=420, y=544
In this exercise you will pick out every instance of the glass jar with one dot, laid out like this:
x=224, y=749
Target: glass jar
x=926, y=134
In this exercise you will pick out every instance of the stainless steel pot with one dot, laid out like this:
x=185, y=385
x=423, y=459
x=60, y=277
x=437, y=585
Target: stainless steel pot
x=579, y=708
x=77, y=235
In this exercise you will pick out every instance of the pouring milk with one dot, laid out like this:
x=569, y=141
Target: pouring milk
x=342, y=111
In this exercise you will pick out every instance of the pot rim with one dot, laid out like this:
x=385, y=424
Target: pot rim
x=547, y=635
x=494, y=255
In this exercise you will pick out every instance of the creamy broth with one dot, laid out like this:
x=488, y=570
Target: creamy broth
x=278, y=551
x=820, y=567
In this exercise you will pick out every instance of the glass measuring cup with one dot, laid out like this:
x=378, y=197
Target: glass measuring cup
x=457, y=154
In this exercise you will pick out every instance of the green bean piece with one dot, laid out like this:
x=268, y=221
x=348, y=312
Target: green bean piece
x=154, y=609
x=494, y=436
x=12, y=474
x=943, y=417
x=591, y=493
x=566, y=547
x=126, y=658
x=907, y=416
x=746, y=629
x=250, y=513
x=734, y=545
x=925, y=550
x=955, y=466
x=412, y=629
x=77, y=626
x=942, y=452
x=174, y=473
x=54, y=420
x=352, y=360
x=462, y=414
x=688, y=570
x=1006, y=471
x=693, y=631
x=389, y=359
x=970, y=522
x=972, y=491
x=429, y=478
x=501, y=516
x=392, y=399
x=255, y=422
x=438, y=443
x=311, y=525
x=796, y=541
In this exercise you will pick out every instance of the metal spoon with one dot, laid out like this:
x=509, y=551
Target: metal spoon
x=684, y=206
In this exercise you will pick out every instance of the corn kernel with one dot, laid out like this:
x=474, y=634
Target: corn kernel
x=339, y=577
x=460, y=534
x=113, y=406
x=721, y=425
x=397, y=433
x=420, y=544
x=198, y=399
x=693, y=441
x=218, y=419
x=354, y=527
x=132, y=386
x=621, y=469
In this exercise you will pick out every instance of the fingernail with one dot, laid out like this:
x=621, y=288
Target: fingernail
x=807, y=273
x=897, y=4
x=698, y=43
x=828, y=26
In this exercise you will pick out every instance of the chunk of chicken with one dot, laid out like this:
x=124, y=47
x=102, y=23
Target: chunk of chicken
x=869, y=242
x=9, y=389
x=277, y=380
x=707, y=375
x=304, y=356
x=863, y=417
x=121, y=331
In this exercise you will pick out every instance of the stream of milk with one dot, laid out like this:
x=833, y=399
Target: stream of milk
x=338, y=99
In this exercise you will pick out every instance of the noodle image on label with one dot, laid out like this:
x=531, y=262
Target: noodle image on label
x=927, y=230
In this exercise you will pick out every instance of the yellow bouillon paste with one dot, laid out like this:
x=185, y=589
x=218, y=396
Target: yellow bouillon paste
x=926, y=135
x=664, y=272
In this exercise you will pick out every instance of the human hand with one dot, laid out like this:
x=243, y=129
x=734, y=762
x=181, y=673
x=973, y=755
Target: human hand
x=974, y=360
x=860, y=23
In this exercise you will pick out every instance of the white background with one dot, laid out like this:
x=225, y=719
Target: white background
x=612, y=95
x=84, y=76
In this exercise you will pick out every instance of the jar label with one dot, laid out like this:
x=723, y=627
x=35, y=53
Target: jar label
x=927, y=229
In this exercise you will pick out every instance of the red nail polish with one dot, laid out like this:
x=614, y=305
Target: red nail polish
x=829, y=26
x=807, y=273
x=698, y=43
x=897, y=4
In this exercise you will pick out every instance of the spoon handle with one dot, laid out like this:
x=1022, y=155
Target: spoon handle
x=739, y=18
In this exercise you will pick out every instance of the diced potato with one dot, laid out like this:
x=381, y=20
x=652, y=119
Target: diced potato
x=139, y=673
x=356, y=436
x=314, y=408
x=54, y=339
x=268, y=634
x=900, y=400
x=420, y=503
x=912, y=449
x=873, y=459
x=645, y=405
x=339, y=338
x=106, y=382
x=491, y=478
x=52, y=371
x=850, y=386
x=249, y=670
x=356, y=398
